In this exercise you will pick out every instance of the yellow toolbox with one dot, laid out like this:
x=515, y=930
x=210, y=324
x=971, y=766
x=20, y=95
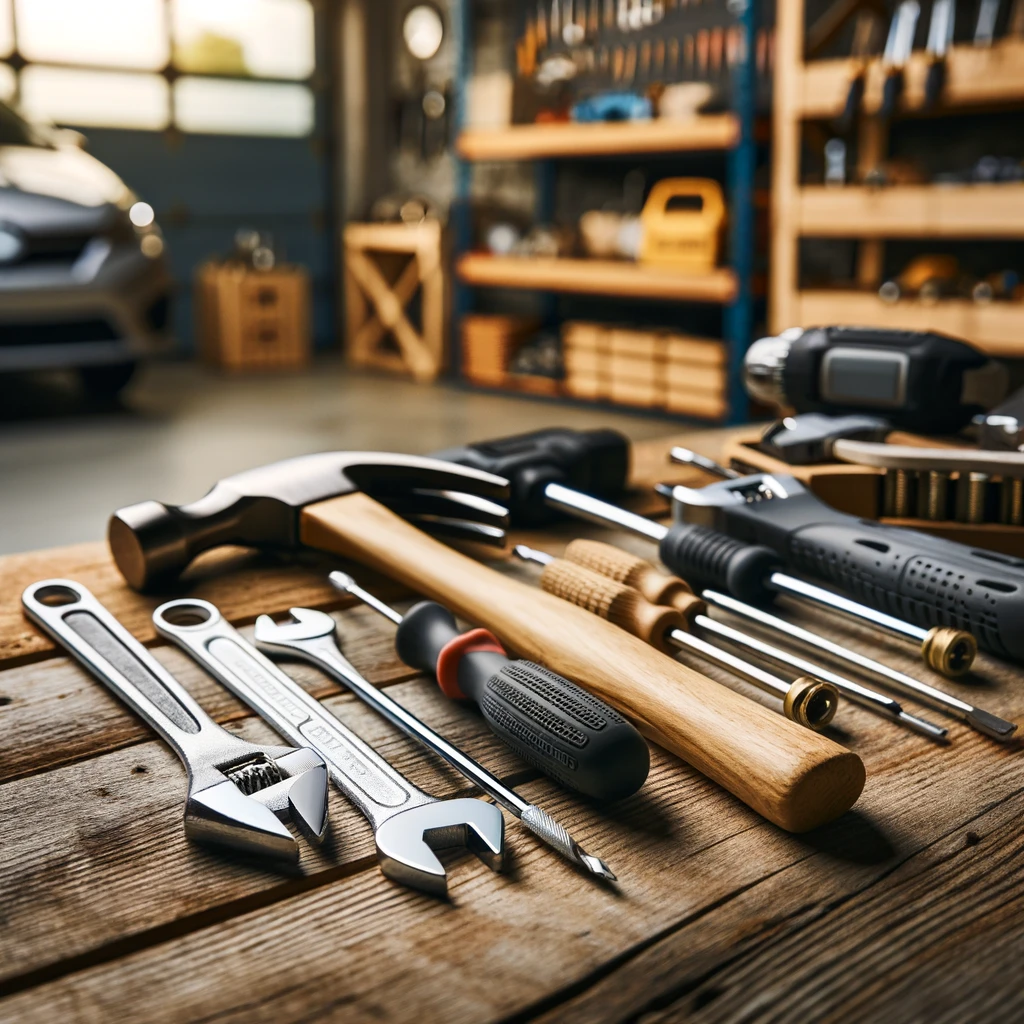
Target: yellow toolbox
x=682, y=221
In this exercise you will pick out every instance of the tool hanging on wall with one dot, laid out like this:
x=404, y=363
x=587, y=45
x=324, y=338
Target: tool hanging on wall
x=612, y=564
x=551, y=723
x=985, y=26
x=898, y=48
x=940, y=38
x=408, y=824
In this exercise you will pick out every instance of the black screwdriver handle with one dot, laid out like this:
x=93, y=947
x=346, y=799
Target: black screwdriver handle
x=706, y=558
x=548, y=721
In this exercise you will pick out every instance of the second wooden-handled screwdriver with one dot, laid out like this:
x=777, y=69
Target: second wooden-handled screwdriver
x=550, y=722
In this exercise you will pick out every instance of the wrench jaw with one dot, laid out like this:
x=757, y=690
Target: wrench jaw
x=281, y=637
x=220, y=811
x=406, y=841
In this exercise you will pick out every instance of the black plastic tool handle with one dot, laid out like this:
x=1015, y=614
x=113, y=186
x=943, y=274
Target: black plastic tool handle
x=706, y=558
x=548, y=721
x=917, y=577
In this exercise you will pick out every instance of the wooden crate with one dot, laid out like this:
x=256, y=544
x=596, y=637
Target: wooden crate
x=489, y=344
x=253, y=319
x=647, y=369
x=386, y=265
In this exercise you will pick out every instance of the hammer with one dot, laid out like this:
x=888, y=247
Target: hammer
x=336, y=502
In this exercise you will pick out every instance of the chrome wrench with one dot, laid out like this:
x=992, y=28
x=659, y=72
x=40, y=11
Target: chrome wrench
x=408, y=824
x=237, y=790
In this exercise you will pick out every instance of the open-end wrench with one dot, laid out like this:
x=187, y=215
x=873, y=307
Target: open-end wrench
x=237, y=790
x=312, y=637
x=408, y=824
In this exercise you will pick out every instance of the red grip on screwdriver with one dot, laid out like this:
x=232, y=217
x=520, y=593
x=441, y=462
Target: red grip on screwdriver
x=447, y=668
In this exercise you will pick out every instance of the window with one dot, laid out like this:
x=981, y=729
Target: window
x=86, y=64
x=221, y=107
x=108, y=33
x=113, y=99
x=263, y=38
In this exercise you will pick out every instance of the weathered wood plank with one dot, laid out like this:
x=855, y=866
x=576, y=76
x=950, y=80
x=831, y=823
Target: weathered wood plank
x=682, y=849
x=94, y=852
x=53, y=713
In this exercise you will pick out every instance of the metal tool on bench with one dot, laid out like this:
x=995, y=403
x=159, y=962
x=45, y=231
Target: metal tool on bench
x=808, y=702
x=918, y=380
x=408, y=824
x=935, y=581
x=551, y=723
x=239, y=793
x=313, y=503
x=752, y=573
x=685, y=548
x=311, y=637
x=607, y=562
x=976, y=471
x=985, y=26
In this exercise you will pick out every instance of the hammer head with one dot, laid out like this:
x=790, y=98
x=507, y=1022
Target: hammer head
x=152, y=543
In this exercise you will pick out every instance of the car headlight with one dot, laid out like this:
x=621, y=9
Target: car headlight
x=12, y=246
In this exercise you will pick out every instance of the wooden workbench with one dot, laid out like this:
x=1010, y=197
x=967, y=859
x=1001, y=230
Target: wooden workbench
x=909, y=908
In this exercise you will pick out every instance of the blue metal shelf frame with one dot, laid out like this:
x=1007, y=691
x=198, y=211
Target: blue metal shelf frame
x=741, y=164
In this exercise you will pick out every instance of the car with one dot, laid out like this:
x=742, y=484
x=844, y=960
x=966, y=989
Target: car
x=84, y=281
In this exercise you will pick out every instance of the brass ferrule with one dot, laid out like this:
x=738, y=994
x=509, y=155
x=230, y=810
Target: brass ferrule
x=811, y=702
x=949, y=651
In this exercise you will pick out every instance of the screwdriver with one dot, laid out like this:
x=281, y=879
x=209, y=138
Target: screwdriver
x=984, y=721
x=548, y=721
x=749, y=572
x=807, y=701
x=599, y=558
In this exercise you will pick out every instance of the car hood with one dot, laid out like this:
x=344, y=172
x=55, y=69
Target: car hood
x=64, y=187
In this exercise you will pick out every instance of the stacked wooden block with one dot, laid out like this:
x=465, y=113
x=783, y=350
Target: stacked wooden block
x=645, y=368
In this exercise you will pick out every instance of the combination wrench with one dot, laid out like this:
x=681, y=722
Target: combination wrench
x=237, y=790
x=408, y=824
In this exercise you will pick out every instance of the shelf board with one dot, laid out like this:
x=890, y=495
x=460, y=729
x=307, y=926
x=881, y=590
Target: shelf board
x=596, y=277
x=997, y=328
x=539, y=141
x=911, y=211
x=975, y=76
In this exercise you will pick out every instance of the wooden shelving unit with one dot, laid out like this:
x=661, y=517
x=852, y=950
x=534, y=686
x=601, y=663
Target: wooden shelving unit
x=975, y=77
x=910, y=211
x=595, y=277
x=549, y=141
x=995, y=327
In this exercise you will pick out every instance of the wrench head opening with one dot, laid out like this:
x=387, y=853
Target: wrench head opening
x=406, y=841
x=307, y=624
x=247, y=807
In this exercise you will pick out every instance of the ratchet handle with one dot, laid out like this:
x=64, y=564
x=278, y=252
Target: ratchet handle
x=553, y=724
x=70, y=614
x=712, y=559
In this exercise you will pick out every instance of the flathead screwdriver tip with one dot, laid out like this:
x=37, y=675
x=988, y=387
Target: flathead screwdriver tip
x=596, y=866
x=923, y=726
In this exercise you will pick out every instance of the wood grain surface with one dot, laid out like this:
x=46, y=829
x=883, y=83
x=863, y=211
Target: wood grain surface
x=907, y=908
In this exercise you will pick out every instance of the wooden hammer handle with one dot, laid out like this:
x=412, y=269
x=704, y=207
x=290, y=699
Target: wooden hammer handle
x=792, y=776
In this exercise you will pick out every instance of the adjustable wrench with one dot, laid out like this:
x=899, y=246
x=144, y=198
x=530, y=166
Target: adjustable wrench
x=237, y=790
x=408, y=824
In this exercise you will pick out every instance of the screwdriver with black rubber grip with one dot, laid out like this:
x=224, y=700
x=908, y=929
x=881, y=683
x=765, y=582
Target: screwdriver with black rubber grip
x=550, y=722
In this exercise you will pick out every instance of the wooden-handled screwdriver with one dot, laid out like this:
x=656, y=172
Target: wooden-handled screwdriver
x=551, y=723
x=807, y=701
x=611, y=563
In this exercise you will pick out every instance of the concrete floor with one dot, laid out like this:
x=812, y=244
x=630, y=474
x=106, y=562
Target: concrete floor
x=66, y=463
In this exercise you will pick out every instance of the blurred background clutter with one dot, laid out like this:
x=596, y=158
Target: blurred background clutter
x=235, y=230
